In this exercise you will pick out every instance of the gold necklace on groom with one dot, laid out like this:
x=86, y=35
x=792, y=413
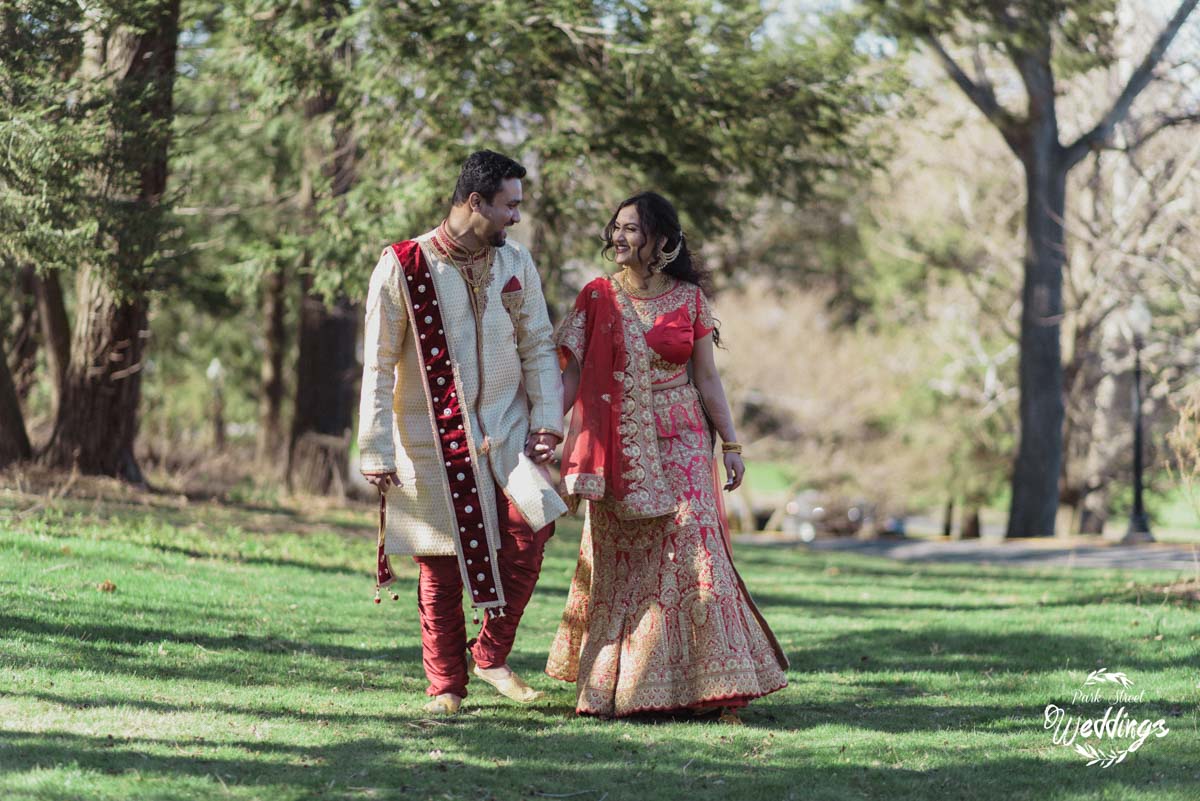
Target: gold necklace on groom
x=464, y=261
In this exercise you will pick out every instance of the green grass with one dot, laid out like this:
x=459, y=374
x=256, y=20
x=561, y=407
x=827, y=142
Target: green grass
x=1175, y=509
x=240, y=657
x=771, y=477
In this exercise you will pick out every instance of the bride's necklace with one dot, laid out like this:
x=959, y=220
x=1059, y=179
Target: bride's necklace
x=652, y=289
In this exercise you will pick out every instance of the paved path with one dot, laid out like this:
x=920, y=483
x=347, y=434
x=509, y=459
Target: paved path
x=1032, y=553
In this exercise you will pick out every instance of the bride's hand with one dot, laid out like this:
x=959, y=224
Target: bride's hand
x=735, y=471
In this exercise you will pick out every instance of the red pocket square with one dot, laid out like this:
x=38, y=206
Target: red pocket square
x=513, y=285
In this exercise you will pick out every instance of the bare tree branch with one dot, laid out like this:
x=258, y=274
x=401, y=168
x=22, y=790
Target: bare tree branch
x=1098, y=136
x=1161, y=124
x=981, y=94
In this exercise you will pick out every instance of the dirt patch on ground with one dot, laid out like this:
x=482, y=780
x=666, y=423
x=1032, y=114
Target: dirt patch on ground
x=1187, y=590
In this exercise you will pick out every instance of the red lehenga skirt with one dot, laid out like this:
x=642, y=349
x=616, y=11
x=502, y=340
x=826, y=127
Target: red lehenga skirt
x=657, y=618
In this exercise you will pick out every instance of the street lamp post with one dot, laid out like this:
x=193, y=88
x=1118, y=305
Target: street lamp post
x=1139, y=328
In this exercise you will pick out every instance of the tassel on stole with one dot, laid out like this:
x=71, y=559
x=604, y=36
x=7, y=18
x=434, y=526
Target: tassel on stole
x=383, y=563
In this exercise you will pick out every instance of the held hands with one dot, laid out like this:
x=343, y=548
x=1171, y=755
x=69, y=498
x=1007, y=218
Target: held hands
x=735, y=471
x=540, y=447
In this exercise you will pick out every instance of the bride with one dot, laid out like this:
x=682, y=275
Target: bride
x=657, y=618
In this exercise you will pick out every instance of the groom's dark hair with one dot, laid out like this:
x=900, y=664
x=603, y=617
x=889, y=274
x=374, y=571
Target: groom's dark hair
x=483, y=172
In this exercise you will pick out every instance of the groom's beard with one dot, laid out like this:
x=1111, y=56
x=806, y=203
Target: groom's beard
x=498, y=239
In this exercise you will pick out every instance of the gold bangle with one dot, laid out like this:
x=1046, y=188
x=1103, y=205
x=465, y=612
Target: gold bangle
x=731, y=447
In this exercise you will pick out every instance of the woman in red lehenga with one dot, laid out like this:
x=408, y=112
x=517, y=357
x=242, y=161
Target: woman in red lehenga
x=657, y=618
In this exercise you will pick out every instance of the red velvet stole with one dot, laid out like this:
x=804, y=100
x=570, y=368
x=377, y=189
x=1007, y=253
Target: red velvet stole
x=384, y=575
x=592, y=450
x=451, y=428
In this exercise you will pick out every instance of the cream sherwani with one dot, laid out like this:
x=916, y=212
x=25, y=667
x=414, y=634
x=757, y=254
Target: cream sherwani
x=519, y=390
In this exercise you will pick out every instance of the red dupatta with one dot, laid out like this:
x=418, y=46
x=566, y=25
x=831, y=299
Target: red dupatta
x=611, y=450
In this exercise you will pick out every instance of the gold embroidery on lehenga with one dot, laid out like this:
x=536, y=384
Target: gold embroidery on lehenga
x=647, y=494
x=656, y=617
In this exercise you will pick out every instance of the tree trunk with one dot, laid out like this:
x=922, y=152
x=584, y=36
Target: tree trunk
x=269, y=445
x=546, y=250
x=327, y=373
x=326, y=390
x=98, y=411
x=14, y=441
x=97, y=416
x=948, y=519
x=22, y=334
x=971, y=527
x=56, y=331
x=1093, y=512
x=1039, y=456
x=1108, y=439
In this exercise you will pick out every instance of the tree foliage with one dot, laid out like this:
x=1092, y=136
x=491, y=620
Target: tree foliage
x=304, y=136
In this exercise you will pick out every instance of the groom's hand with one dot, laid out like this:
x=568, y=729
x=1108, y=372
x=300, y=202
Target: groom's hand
x=540, y=447
x=382, y=480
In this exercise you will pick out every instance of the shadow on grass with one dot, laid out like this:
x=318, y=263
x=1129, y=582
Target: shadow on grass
x=519, y=763
x=259, y=561
x=950, y=649
x=107, y=648
x=252, y=518
x=851, y=608
x=259, y=712
x=910, y=574
x=227, y=555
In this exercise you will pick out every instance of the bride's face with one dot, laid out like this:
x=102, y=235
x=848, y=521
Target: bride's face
x=629, y=239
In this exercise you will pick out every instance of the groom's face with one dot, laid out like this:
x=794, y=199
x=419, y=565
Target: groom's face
x=494, y=219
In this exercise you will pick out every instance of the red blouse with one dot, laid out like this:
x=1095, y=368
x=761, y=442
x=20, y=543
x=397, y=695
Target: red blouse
x=672, y=323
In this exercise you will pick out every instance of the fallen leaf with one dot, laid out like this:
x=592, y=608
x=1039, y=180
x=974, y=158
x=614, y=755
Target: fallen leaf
x=106, y=586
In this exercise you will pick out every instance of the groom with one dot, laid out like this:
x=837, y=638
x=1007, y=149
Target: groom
x=461, y=406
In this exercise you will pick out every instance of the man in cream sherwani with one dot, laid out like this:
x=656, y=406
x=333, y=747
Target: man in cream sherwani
x=461, y=407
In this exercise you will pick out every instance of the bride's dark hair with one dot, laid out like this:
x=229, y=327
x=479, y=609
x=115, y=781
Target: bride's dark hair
x=659, y=218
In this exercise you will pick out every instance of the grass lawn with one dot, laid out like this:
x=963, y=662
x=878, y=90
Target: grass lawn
x=238, y=655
